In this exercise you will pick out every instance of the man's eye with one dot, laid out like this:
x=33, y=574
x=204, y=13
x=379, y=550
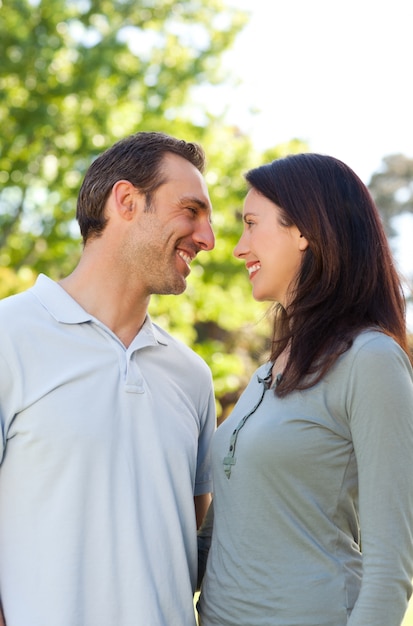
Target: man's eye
x=193, y=210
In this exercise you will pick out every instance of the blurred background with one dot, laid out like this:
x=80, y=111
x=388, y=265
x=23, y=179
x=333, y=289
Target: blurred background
x=251, y=80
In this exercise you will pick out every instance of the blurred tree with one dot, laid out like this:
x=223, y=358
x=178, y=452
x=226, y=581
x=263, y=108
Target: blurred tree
x=77, y=75
x=392, y=188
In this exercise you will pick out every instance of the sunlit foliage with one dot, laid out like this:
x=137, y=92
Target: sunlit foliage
x=76, y=75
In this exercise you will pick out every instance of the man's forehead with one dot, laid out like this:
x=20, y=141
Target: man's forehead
x=172, y=161
x=192, y=187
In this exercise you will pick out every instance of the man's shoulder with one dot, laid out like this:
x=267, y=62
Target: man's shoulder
x=15, y=303
x=180, y=348
x=20, y=313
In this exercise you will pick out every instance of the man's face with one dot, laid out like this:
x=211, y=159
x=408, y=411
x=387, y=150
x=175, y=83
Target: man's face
x=167, y=237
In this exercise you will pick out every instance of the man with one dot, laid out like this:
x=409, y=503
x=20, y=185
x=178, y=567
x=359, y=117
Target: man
x=106, y=419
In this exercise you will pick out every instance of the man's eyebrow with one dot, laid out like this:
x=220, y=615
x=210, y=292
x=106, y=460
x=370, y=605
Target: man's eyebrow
x=200, y=204
x=204, y=206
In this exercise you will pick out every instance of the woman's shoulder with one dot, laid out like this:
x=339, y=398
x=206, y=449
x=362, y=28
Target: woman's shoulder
x=374, y=340
x=374, y=348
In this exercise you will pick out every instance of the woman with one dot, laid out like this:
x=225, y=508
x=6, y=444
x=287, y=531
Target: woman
x=313, y=470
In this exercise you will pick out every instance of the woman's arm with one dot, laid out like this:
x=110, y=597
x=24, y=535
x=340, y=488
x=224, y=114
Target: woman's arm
x=380, y=409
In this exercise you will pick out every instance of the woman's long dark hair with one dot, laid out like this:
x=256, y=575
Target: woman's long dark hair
x=347, y=281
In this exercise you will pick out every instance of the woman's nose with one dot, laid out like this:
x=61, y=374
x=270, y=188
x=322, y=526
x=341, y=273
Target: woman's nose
x=240, y=249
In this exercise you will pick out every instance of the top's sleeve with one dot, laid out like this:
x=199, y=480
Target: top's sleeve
x=380, y=412
x=203, y=481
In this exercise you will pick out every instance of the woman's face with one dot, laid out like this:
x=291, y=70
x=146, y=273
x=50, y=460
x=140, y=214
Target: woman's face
x=271, y=247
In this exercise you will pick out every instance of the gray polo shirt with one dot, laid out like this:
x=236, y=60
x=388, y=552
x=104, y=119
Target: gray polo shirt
x=103, y=449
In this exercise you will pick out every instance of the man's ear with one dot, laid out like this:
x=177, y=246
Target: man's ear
x=126, y=198
x=302, y=243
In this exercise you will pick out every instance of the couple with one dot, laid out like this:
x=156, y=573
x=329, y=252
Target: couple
x=107, y=421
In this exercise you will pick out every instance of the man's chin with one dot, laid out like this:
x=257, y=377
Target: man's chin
x=180, y=289
x=174, y=289
x=180, y=284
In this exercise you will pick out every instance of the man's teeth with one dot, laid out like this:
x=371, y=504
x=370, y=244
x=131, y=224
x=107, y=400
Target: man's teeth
x=185, y=257
x=254, y=268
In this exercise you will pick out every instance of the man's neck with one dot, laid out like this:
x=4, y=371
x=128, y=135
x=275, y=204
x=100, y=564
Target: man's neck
x=109, y=299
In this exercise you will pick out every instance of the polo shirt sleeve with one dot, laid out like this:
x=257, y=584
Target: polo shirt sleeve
x=8, y=400
x=380, y=413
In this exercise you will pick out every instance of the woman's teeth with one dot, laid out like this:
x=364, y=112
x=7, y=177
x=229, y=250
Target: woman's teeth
x=254, y=268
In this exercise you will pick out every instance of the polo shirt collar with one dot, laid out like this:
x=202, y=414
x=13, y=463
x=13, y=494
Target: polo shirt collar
x=58, y=303
x=66, y=310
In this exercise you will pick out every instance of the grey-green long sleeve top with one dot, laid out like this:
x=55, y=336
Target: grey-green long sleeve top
x=305, y=474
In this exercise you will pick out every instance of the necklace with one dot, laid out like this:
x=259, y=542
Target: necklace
x=230, y=459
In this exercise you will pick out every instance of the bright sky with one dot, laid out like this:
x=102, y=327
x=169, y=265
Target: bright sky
x=336, y=74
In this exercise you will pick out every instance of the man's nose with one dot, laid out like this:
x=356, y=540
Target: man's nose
x=205, y=237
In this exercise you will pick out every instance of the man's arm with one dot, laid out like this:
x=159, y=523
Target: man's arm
x=2, y=622
x=201, y=503
x=204, y=542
